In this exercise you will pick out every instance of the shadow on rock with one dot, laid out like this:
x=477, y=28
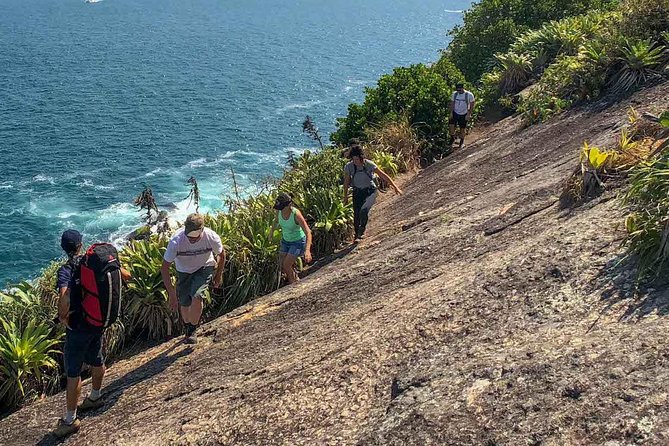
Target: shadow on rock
x=117, y=388
x=620, y=285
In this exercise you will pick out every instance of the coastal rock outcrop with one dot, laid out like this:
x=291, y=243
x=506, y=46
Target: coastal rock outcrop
x=478, y=313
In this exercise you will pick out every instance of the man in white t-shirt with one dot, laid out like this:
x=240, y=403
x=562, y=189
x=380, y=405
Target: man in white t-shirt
x=199, y=258
x=462, y=106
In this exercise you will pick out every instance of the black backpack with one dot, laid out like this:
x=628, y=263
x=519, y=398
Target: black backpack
x=100, y=278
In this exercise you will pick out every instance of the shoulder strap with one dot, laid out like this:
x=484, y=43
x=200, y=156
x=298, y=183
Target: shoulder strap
x=364, y=168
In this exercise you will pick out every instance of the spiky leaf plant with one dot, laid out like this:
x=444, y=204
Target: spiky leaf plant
x=27, y=361
x=637, y=62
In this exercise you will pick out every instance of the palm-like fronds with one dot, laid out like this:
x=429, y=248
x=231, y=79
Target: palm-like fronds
x=648, y=222
x=329, y=217
x=26, y=359
x=515, y=72
x=638, y=61
x=146, y=304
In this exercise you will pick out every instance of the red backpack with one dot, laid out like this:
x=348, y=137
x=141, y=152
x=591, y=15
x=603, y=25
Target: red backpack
x=100, y=272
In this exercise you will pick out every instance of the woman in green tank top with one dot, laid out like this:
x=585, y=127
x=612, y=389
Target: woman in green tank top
x=295, y=236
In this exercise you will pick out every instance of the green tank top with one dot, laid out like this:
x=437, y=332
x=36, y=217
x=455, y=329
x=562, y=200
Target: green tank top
x=290, y=231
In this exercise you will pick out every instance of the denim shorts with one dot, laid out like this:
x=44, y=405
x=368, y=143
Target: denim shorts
x=82, y=347
x=193, y=285
x=296, y=248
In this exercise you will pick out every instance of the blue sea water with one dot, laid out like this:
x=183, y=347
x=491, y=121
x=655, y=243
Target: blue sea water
x=98, y=99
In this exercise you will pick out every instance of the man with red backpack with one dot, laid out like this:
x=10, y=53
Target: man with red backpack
x=89, y=289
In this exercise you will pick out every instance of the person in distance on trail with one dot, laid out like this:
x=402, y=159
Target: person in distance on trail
x=199, y=258
x=295, y=235
x=462, y=107
x=359, y=173
x=83, y=335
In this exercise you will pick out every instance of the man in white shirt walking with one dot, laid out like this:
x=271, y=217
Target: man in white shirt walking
x=199, y=258
x=462, y=106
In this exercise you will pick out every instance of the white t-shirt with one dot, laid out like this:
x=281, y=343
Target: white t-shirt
x=461, y=102
x=189, y=257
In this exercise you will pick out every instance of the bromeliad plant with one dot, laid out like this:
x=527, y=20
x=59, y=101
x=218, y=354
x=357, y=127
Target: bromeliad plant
x=648, y=221
x=27, y=363
x=638, y=61
x=328, y=217
x=146, y=306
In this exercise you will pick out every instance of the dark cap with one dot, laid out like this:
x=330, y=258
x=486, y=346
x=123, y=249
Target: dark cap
x=70, y=240
x=459, y=85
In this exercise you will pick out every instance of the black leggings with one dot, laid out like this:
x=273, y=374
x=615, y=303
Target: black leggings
x=363, y=200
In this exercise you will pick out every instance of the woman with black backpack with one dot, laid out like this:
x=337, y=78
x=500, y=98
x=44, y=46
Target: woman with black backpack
x=359, y=173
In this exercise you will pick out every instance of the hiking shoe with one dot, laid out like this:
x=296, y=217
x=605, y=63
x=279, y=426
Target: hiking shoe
x=89, y=404
x=63, y=429
x=192, y=339
x=462, y=143
x=188, y=330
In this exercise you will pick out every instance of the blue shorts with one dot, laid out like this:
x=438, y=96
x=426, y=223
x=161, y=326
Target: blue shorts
x=82, y=347
x=293, y=248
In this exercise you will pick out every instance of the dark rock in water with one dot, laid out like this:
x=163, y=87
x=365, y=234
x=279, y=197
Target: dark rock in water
x=141, y=233
x=168, y=206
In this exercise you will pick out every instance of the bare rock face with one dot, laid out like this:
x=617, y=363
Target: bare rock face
x=479, y=313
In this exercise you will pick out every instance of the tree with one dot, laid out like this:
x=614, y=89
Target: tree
x=146, y=201
x=417, y=93
x=311, y=130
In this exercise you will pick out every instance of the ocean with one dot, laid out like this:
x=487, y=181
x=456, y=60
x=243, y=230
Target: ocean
x=99, y=99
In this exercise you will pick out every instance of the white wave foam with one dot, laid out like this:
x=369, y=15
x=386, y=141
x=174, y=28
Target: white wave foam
x=6, y=185
x=303, y=105
x=153, y=172
x=66, y=215
x=43, y=179
x=18, y=211
x=197, y=163
x=204, y=162
x=89, y=183
x=454, y=11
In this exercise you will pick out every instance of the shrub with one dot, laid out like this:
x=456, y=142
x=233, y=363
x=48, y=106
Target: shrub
x=399, y=139
x=385, y=161
x=27, y=363
x=491, y=26
x=514, y=73
x=447, y=69
x=569, y=80
x=645, y=19
x=549, y=48
x=22, y=303
x=647, y=223
x=252, y=266
x=417, y=92
x=147, y=304
x=636, y=62
x=329, y=218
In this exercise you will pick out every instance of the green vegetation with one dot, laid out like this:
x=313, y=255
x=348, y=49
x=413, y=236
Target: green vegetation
x=26, y=360
x=492, y=26
x=648, y=200
x=579, y=58
x=31, y=343
x=418, y=94
x=537, y=58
